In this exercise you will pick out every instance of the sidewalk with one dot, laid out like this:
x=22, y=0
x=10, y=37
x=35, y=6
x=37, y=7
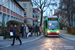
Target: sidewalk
x=7, y=42
x=64, y=34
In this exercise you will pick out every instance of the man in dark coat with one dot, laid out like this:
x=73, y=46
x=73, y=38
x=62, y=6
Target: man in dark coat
x=36, y=29
x=30, y=28
x=22, y=30
x=16, y=34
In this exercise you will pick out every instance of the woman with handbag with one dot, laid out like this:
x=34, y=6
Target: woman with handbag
x=16, y=34
x=11, y=29
x=26, y=30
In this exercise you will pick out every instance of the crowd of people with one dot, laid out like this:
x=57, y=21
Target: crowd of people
x=26, y=31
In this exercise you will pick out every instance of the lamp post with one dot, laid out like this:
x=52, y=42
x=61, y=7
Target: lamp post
x=51, y=12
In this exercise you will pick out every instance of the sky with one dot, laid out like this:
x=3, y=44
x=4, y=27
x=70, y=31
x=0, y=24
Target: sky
x=48, y=12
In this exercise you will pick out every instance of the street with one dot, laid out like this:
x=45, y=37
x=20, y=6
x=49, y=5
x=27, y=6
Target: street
x=45, y=43
x=25, y=23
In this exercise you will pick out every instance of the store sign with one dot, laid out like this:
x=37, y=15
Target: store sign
x=34, y=19
x=38, y=19
x=35, y=22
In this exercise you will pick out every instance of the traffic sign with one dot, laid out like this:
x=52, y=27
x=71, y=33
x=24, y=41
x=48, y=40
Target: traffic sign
x=34, y=18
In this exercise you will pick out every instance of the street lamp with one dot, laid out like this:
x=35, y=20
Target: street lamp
x=51, y=12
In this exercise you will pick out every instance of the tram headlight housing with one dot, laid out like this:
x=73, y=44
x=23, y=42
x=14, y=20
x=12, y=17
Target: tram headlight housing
x=48, y=31
x=50, y=24
x=57, y=31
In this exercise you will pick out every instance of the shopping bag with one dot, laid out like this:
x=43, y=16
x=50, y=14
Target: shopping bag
x=28, y=34
x=11, y=33
x=25, y=35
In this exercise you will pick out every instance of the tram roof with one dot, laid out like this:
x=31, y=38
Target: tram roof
x=51, y=16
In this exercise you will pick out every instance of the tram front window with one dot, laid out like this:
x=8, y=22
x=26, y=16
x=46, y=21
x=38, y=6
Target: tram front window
x=53, y=24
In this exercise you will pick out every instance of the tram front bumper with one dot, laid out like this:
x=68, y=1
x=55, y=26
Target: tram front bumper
x=53, y=33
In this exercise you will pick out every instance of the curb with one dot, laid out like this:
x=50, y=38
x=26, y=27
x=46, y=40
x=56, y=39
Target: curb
x=1, y=37
x=67, y=38
x=23, y=42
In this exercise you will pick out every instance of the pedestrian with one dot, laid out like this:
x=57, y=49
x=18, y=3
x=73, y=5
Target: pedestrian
x=26, y=30
x=30, y=30
x=22, y=30
x=16, y=34
x=11, y=29
x=37, y=30
x=40, y=31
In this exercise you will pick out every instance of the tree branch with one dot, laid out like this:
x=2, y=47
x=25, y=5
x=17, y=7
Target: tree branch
x=35, y=3
x=45, y=9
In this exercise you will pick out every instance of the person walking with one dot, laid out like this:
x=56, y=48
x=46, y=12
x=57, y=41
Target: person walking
x=11, y=29
x=40, y=31
x=16, y=35
x=26, y=30
x=30, y=30
x=37, y=30
x=22, y=30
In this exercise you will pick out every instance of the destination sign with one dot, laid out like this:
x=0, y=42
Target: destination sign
x=52, y=18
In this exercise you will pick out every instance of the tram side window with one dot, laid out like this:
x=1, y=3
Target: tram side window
x=46, y=23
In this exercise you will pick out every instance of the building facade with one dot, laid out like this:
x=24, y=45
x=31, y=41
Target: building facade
x=11, y=10
x=28, y=14
x=37, y=15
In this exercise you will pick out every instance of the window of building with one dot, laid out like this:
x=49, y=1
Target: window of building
x=16, y=8
x=11, y=6
x=0, y=1
x=25, y=21
x=3, y=3
x=19, y=11
x=24, y=6
x=73, y=0
x=7, y=3
x=25, y=14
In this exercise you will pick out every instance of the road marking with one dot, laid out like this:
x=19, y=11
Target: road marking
x=23, y=42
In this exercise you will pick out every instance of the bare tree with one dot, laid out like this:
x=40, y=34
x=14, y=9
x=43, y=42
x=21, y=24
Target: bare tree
x=42, y=5
x=68, y=9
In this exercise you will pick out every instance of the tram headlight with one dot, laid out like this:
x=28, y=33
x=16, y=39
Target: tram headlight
x=57, y=31
x=48, y=31
x=50, y=24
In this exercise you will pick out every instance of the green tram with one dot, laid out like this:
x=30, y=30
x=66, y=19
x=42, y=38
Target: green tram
x=51, y=26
